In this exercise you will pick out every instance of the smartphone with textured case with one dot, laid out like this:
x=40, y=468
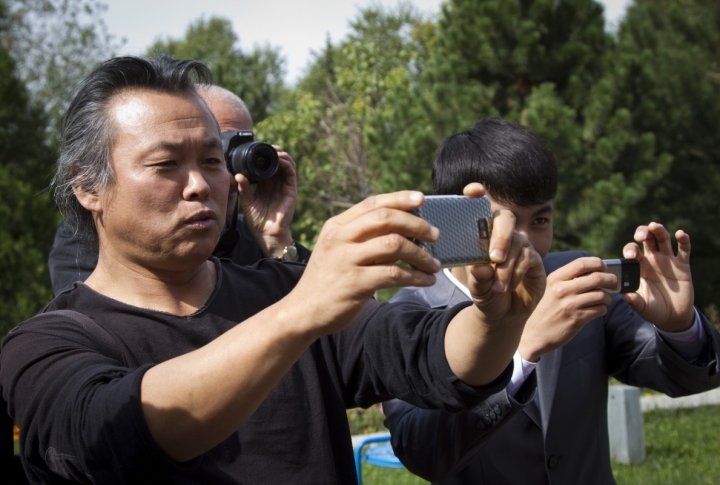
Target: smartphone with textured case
x=627, y=272
x=465, y=225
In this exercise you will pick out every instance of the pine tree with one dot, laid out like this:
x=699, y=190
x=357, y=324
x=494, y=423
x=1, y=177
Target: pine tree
x=256, y=76
x=666, y=77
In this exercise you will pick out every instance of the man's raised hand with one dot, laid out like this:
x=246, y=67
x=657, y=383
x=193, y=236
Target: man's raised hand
x=666, y=294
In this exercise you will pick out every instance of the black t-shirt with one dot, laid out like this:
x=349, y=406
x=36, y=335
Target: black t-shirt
x=78, y=406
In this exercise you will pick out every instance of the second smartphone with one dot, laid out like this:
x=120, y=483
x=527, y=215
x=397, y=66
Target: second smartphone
x=627, y=272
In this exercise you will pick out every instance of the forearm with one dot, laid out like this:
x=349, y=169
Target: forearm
x=195, y=401
x=478, y=350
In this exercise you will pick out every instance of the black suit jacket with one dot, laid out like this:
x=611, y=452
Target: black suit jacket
x=564, y=440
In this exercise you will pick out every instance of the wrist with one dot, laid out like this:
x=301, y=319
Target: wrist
x=274, y=246
x=680, y=325
x=529, y=354
x=289, y=254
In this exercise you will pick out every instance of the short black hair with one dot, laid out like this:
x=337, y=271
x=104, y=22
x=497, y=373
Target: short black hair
x=511, y=162
x=87, y=134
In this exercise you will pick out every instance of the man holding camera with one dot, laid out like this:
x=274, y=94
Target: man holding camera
x=261, y=230
x=577, y=336
x=171, y=366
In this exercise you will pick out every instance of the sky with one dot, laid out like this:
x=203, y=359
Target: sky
x=297, y=27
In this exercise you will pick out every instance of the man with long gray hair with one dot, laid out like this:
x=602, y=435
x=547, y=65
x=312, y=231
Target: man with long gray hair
x=262, y=229
x=169, y=366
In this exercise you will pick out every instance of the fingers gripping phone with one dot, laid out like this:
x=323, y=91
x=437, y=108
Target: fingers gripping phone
x=465, y=225
x=627, y=272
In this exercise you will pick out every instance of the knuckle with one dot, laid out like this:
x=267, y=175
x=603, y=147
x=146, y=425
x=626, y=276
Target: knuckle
x=395, y=272
x=332, y=234
x=393, y=243
x=370, y=202
x=382, y=214
x=558, y=291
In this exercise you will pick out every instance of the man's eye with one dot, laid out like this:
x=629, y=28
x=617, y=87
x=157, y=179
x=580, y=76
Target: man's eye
x=213, y=161
x=541, y=221
x=165, y=163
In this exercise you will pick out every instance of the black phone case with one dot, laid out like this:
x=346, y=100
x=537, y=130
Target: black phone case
x=465, y=225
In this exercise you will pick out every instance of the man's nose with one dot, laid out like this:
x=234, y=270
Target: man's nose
x=197, y=186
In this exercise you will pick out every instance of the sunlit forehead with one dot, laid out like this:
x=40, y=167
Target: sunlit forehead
x=160, y=124
x=132, y=111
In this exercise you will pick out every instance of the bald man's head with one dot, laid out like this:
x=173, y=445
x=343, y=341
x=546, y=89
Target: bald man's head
x=228, y=109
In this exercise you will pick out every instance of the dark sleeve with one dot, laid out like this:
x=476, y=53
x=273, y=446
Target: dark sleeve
x=397, y=350
x=639, y=356
x=436, y=444
x=71, y=259
x=78, y=410
x=247, y=251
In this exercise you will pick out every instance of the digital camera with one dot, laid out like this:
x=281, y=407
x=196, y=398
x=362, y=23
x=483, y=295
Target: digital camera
x=254, y=159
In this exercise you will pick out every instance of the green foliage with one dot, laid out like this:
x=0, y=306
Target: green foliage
x=56, y=43
x=665, y=76
x=25, y=154
x=490, y=55
x=364, y=421
x=255, y=76
x=28, y=218
x=350, y=124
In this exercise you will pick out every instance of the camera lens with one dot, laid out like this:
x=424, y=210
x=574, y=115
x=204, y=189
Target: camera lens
x=255, y=160
x=261, y=163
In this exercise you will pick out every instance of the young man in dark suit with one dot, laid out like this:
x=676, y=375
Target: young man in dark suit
x=549, y=425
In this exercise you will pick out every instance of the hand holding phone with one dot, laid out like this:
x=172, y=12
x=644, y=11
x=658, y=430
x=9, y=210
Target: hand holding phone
x=465, y=225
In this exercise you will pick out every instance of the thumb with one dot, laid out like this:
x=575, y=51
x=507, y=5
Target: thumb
x=480, y=280
x=636, y=302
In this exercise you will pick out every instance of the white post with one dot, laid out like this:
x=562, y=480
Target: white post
x=625, y=425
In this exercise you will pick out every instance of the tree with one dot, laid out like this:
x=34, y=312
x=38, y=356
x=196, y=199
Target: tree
x=28, y=218
x=490, y=55
x=55, y=43
x=351, y=120
x=255, y=76
x=665, y=78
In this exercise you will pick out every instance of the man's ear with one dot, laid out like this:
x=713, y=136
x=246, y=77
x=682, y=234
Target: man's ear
x=89, y=200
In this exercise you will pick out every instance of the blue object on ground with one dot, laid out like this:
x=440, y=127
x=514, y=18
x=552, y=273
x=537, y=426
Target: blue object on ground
x=379, y=455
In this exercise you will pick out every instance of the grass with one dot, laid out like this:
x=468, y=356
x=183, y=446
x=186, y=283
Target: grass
x=683, y=447
x=372, y=475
